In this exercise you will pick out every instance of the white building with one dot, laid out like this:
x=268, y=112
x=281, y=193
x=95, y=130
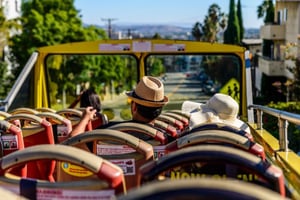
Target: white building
x=12, y=8
x=281, y=42
x=285, y=31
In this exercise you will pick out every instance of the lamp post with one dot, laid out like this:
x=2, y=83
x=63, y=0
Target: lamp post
x=287, y=84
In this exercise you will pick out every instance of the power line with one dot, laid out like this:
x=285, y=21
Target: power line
x=109, y=29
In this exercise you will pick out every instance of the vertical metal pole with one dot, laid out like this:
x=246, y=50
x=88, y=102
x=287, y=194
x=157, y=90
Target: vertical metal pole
x=249, y=86
x=259, y=114
x=283, y=136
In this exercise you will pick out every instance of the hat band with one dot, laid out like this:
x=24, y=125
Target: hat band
x=227, y=116
x=138, y=97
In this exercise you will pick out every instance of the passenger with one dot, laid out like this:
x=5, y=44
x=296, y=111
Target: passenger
x=147, y=102
x=219, y=108
x=90, y=98
x=87, y=98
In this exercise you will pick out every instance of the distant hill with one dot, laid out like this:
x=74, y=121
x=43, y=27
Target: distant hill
x=164, y=30
x=149, y=29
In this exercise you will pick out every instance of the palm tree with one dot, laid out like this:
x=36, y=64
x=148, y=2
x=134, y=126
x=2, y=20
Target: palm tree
x=213, y=23
x=266, y=11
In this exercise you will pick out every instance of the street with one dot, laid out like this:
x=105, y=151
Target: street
x=178, y=88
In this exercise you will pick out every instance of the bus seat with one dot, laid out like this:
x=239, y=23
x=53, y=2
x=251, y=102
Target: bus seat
x=169, y=129
x=147, y=133
x=99, y=120
x=44, y=109
x=222, y=126
x=180, y=112
x=74, y=115
x=220, y=137
x=36, y=131
x=179, y=117
x=12, y=140
x=204, y=188
x=61, y=126
x=170, y=120
x=139, y=130
x=215, y=161
x=24, y=111
x=4, y=115
x=107, y=180
x=118, y=147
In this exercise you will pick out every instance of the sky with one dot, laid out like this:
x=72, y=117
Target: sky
x=172, y=12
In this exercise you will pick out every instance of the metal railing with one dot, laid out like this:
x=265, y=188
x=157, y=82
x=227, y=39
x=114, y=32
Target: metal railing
x=283, y=120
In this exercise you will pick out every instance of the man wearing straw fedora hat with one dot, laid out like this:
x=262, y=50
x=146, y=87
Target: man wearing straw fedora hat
x=147, y=101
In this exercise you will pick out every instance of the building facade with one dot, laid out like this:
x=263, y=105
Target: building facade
x=281, y=43
x=283, y=37
x=11, y=8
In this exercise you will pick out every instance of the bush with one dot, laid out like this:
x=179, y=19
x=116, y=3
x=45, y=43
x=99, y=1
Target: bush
x=270, y=123
x=126, y=114
x=109, y=113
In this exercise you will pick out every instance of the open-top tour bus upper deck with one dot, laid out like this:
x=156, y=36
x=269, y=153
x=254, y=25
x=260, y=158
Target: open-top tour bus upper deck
x=55, y=75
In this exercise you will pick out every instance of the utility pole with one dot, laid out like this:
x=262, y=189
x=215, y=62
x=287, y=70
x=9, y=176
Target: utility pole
x=109, y=30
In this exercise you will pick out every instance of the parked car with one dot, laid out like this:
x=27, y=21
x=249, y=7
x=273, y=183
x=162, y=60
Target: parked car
x=192, y=73
x=209, y=87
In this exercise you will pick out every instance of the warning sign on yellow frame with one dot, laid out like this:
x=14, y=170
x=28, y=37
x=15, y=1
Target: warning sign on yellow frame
x=232, y=88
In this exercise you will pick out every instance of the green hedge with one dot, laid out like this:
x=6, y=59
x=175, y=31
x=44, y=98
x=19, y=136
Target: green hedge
x=270, y=123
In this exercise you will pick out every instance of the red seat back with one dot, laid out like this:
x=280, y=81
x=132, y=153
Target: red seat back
x=118, y=147
x=61, y=126
x=74, y=115
x=12, y=140
x=36, y=131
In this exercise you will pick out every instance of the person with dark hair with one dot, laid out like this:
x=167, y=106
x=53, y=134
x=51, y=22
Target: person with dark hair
x=90, y=98
x=147, y=102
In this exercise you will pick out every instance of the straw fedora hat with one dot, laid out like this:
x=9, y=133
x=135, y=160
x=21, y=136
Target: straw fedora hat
x=149, y=92
x=219, y=108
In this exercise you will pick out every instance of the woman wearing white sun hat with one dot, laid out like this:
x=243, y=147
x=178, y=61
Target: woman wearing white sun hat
x=220, y=108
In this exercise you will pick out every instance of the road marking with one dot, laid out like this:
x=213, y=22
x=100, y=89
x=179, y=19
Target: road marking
x=176, y=88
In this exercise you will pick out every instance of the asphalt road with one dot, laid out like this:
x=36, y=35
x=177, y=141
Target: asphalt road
x=179, y=88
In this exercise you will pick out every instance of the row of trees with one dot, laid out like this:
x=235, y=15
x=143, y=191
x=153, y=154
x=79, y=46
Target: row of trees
x=45, y=23
x=42, y=23
x=216, y=22
x=231, y=25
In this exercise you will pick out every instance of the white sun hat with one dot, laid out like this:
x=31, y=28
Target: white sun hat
x=200, y=114
x=219, y=108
